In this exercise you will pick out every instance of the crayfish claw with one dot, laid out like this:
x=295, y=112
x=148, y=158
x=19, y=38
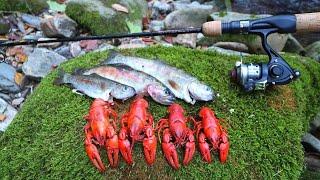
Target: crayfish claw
x=169, y=150
x=190, y=148
x=149, y=146
x=204, y=147
x=125, y=146
x=224, y=147
x=112, y=147
x=93, y=153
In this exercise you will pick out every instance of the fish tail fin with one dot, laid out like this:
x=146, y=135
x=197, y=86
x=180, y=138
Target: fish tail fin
x=60, y=78
x=111, y=55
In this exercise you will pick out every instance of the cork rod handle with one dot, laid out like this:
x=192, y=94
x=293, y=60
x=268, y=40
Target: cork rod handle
x=308, y=22
x=212, y=28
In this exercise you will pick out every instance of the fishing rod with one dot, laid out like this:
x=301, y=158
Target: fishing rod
x=250, y=76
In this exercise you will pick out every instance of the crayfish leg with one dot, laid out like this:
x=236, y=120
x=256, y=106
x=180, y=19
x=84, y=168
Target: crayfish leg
x=224, y=147
x=112, y=147
x=93, y=153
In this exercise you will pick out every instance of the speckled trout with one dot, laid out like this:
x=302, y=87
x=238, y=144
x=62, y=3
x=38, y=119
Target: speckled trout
x=141, y=82
x=181, y=84
x=94, y=86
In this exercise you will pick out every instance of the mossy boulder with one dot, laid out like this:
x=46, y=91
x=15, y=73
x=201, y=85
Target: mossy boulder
x=45, y=140
x=99, y=17
x=31, y=6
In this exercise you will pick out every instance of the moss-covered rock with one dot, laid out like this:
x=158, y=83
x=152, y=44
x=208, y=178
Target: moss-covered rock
x=31, y=6
x=99, y=17
x=45, y=141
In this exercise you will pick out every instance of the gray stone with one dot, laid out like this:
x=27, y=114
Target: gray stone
x=185, y=5
x=313, y=50
x=311, y=141
x=226, y=51
x=232, y=46
x=31, y=20
x=234, y=16
x=75, y=49
x=9, y=111
x=5, y=97
x=187, y=40
x=315, y=124
x=160, y=7
x=17, y=102
x=275, y=6
x=218, y=5
x=104, y=47
x=4, y=27
x=59, y=26
x=156, y=25
x=7, y=81
x=312, y=161
x=292, y=45
x=41, y=61
x=64, y=51
x=185, y=18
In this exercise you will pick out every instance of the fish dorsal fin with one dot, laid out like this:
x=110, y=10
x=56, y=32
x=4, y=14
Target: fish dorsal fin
x=111, y=55
x=78, y=71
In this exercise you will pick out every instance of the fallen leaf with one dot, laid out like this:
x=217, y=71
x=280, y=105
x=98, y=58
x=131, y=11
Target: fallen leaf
x=18, y=78
x=133, y=28
x=54, y=6
x=2, y=117
x=120, y=8
x=22, y=57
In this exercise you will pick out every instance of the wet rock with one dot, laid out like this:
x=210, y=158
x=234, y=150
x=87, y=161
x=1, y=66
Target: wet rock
x=275, y=6
x=315, y=124
x=48, y=45
x=75, y=49
x=41, y=61
x=160, y=8
x=4, y=27
x=194, y=5
x=312, y=161
x=17, y=102
x=100, y=18
x=89, y=45
x=9, y=113
x=311, y=142
x=232, y=46
x=64, y=51
x=5, y=97
x=185, y=18
x=292, y=45
x=276, y=41
x=59, y=26
x=7, y=78
x=313, y=50
x=104, y=47
x=156, y=25
x=187, y=40
x=31, y=20
x=131, y=46
x=34, y=36
x=226, y=51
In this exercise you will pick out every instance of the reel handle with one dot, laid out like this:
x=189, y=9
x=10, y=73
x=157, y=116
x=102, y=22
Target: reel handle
x=307, y=22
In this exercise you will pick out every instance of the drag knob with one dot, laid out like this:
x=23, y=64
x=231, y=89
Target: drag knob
x=276, y=71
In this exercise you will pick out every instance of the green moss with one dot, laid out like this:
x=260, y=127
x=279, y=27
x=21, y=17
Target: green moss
x=45, y=140
x=99, y=24
x=31, y=6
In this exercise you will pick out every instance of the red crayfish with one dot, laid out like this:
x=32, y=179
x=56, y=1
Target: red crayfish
x=211, y=135
x=101, y=131
x=137, y=126
x=175, y=134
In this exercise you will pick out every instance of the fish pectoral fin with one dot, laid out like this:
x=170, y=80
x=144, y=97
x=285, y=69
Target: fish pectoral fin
x=77, y=92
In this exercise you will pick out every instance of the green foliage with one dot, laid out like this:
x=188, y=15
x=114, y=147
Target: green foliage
x=102, y=24
x=31, y=6
x=46, y=138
